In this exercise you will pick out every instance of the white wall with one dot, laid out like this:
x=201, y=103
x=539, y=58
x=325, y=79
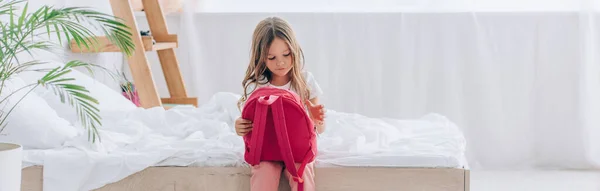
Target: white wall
x=383, y=5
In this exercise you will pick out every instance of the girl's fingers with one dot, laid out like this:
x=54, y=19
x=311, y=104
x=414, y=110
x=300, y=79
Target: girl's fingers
x=319, y=118
x=310, y=104
x=245, y=130
x=245, y=126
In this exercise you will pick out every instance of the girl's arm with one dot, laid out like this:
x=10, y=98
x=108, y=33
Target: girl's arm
x=317, y=110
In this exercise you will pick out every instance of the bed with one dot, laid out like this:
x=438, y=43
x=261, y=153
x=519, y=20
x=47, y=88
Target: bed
x=237, y=178
x=431, y=158
x=188, y=148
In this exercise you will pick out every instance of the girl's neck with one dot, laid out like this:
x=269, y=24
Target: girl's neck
x=280, y=80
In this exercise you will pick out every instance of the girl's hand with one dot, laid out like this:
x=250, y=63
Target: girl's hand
x=317, y=112
x=242, y=126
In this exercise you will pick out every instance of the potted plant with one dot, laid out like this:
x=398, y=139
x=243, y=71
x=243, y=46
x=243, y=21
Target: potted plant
x=23, y=31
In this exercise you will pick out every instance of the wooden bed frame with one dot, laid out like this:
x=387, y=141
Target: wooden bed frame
x=237, y=178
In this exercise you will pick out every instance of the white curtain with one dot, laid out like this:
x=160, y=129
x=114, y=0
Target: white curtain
x=521, y=78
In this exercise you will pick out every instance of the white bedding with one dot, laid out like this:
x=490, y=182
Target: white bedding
x=204, y=136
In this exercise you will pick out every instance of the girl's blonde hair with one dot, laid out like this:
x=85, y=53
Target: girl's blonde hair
x=264, y=34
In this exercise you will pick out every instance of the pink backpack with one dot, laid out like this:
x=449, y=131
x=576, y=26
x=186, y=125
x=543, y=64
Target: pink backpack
x=282, y=130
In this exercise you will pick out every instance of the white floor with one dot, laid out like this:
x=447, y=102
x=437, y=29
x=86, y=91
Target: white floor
x=535, y=180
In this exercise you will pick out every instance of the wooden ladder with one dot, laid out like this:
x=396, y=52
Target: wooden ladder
x=138, y=62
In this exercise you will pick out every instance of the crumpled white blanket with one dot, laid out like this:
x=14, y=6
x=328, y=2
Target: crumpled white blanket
x=204, y=136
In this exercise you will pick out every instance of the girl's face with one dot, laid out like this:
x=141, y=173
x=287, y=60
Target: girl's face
x=279, y=59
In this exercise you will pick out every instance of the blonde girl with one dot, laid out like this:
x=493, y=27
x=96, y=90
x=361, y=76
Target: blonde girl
x=277, y=60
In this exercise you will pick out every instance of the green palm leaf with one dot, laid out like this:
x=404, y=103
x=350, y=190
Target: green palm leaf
x=74, y=95
x=28, y=31
x=6, y=6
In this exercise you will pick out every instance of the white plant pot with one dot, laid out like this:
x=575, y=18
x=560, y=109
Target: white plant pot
x=10, y=167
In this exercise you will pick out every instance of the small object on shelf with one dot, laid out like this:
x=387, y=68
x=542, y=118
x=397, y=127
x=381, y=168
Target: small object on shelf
x=147, y=33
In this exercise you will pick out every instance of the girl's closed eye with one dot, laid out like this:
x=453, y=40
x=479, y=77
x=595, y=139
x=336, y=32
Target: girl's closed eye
x=285, y=55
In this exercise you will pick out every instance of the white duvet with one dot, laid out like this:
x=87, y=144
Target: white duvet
x=204, y=136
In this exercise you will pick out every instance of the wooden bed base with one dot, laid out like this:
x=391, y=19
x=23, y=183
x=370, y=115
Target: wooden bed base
x=237, y=178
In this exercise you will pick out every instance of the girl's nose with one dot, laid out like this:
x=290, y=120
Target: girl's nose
x=280, y=63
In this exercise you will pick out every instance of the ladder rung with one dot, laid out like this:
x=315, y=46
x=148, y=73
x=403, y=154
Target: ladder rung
x=104, y=45
x=181, y=101
x=166, y=38
x=163, y=45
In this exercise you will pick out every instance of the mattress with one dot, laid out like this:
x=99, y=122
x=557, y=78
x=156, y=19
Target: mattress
x=379, y=160
x=204, y=136
x=395, y=161
x=371, y=161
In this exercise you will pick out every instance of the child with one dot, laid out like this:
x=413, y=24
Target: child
x=277, y=61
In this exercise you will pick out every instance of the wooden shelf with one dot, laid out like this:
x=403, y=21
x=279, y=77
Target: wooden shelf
x=163, y=45
x=181, y=101
x=104, y=45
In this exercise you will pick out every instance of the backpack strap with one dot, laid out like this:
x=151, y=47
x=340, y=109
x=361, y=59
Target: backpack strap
x=258, y=131
x=284, y=144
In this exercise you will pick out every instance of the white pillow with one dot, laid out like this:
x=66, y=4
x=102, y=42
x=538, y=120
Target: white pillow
x=33, y=123
x=109, y=99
